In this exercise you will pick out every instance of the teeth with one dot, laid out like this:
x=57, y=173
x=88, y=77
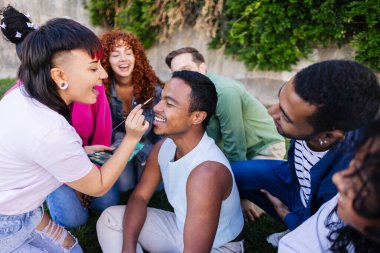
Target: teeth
x=124, y=66
x=159, y=119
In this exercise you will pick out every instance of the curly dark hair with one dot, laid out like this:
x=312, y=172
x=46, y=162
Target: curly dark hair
x=203, y=93
x=366, y=202
x=346, y=93
x=143, y=77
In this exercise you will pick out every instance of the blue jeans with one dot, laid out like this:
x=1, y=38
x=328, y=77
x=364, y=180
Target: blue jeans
x=253, y=175
x=66, y=209
x=18, y=234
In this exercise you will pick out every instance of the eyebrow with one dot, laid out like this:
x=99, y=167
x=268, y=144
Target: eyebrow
x=170, y=98
x=95, y=61
x=282, y=110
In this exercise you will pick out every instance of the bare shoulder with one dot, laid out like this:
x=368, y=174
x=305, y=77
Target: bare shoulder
x=210, y=175
x=158, y=145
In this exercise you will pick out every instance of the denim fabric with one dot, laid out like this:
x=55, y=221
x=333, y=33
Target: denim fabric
x=18, y=234
x=252, y=176
x=66, y=209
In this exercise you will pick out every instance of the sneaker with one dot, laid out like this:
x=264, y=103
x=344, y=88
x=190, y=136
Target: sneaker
x=275, y=238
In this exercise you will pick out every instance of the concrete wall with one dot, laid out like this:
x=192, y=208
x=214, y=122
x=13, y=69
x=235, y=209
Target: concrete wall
x=40, y=11
x=263, y=84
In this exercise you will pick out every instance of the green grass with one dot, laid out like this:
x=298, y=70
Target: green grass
x=5, y=84
x=254, y=233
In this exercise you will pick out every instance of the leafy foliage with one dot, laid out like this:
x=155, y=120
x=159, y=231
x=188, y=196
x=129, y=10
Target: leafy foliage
x=265, y=34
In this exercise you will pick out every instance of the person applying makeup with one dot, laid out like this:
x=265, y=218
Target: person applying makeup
x=40, y=150
x=92, y=122
x=131, y=81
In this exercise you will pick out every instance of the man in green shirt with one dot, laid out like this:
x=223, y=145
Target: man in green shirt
x=241, y=126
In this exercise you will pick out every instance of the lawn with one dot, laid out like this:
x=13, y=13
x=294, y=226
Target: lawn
x=254, y=233
x=5, y=84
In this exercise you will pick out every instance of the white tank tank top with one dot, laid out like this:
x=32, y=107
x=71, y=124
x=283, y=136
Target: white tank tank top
x=175, y=175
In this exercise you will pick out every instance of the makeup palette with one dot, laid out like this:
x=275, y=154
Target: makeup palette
x=101, y=157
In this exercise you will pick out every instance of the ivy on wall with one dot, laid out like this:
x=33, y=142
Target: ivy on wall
x=265, y=34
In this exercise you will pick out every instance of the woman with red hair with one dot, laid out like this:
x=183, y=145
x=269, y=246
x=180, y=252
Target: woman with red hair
x=131, y=81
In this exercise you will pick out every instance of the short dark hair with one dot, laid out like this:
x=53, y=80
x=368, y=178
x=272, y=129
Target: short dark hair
x=346, y=93
x=203, y=95
x=197, y=57
x=38, y=54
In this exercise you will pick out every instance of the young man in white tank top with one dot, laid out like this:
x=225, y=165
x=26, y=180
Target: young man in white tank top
x=197, y=177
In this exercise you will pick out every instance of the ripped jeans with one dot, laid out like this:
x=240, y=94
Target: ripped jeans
x=18, y=234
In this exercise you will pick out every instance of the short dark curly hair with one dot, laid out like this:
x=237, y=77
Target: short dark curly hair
x=346, y=93
x=203, y=95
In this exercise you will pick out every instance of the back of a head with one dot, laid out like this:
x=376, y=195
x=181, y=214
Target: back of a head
x=40, y=51
x=203, y=93
x=15, y=26
x=197, y=57
x=346, y=93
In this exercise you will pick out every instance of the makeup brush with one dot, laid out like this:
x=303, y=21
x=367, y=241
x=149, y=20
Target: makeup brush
x=146, y=102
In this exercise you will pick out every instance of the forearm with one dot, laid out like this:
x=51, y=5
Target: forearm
x=134, y=219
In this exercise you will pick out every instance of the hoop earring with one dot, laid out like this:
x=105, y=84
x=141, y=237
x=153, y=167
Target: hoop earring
x=63, y=85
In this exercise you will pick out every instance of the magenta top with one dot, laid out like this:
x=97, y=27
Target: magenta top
x=93, y=122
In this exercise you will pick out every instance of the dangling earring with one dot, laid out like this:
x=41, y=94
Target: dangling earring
x=63, y=85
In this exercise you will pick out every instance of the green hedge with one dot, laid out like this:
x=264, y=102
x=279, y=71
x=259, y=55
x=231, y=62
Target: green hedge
x=266, y=34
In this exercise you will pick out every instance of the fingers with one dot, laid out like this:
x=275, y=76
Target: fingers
x=135, y=118
x=275, y=201
x=96, y=148
x=108, y=148
x=134, y=114
x=250, y=214
x=268, y=195
x=250, y=210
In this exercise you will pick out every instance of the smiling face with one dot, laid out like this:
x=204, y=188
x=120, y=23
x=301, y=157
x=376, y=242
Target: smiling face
x=291, y=114
x=122, y=61
x=82, y=73
x=172, y=116
x=349, y=182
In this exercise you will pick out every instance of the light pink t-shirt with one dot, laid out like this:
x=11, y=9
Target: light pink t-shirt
x=39, y=150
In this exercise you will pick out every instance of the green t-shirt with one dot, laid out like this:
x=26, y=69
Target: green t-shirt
x=241, y=125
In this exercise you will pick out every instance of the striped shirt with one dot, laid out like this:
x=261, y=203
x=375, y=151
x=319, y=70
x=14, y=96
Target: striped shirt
x=305, y=159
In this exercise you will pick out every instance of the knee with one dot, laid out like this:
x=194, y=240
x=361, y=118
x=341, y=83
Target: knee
x=74, y=220
x=111, y=218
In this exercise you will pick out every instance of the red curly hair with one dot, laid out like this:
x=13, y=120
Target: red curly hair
x=143, y=77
